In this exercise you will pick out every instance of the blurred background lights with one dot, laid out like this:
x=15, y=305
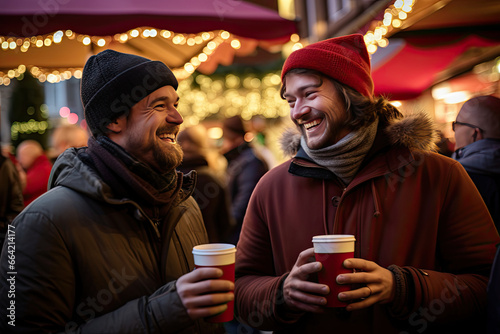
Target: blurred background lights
x=215, y=133
x=64, y=112
x=72, y=118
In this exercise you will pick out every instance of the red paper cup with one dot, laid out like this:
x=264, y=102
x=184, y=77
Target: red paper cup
x=331, y=251
x=220, y=256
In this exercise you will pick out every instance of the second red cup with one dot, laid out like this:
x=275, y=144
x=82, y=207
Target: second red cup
x=220, y=256
x=331, y=251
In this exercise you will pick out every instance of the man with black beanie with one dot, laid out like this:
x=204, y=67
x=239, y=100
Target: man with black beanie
x=108, y=248
x=424, y=243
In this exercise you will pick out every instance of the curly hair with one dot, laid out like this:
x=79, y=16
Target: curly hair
x=361, y=110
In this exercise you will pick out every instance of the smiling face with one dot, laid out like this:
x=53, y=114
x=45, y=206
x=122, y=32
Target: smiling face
x=149, y=132
x=316, y=108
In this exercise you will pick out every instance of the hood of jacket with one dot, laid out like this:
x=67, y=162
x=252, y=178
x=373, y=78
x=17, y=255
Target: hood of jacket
x=480, y=157
x=72, y=172
x=414, y=131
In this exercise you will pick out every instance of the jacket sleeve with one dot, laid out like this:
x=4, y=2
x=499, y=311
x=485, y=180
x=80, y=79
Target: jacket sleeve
x=456, y=289
x=258, y=289
x=38, y=289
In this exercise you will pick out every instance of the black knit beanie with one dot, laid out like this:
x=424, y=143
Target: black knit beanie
x=113, y=82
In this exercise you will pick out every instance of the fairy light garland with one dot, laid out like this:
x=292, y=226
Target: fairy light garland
x=394, y=16
x=214, y=39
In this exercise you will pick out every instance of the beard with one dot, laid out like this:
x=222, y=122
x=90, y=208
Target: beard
x=169, y=159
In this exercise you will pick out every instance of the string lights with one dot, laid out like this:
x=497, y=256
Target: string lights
x=250, y=95
x=394, y=16
x=212, y=39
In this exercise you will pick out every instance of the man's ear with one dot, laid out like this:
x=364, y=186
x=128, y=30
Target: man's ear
x=478, y=134
x=117, y=125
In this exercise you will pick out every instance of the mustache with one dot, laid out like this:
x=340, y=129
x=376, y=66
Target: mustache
x=168, y=129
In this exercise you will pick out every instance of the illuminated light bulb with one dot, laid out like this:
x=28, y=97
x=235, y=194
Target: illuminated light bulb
x=198, y=40
x=134, y=33
x=195, y=61
x=42, y=78
x=191, y=42
x=456, y=97
x=47, y=42
x=145, y=33
x=383, y=42
x=203, y=57
x=69, y=33
x=11, y=74
x=297, y=46
x=33, y=40
x=24, y=49
x=189, y=67
x=225, y=35
x=58, y=37
x=406, y=8
x=101, y=42
x=5, y=45
x=177, y=39
x=86, y=40
x=396, y=23
x=19, y=42
x=205, y=36
x=397, y=104
x=77, y=74
x=386, y=22
x=21, y=68
x=294, y=38
x=153, y=33
x=372, y=48
x=383, y=30
x=402, y=15
x=51, y=78
x=275, y=79
x=12, y=45
x=215, y=133
x=64, y=112
x=34, y=70
x=235, y=44
x=166, y=34
x=72, y=118
x=211, y=45
x=26, y=44
x=123, y=38
x=369, y=37
x=398, y=3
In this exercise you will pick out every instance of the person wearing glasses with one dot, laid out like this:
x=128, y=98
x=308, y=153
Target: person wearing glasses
x=477, y=136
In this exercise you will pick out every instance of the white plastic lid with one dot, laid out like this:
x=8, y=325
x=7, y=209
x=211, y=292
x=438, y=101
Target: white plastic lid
x=214, y=254
x=334, y=243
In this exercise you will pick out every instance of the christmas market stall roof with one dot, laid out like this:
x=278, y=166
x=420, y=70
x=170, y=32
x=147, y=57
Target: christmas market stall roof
x=439, y=41
x=186, y=35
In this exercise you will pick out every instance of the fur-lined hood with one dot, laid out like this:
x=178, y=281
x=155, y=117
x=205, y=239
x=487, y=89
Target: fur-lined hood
x=415, y=131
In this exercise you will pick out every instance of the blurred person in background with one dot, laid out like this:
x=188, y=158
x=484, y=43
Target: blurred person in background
x=66, y=136
x=35, y=171
x=244, y=170
x=477, y=137
x=11, y=193
x=109, y=248
x=210, y=193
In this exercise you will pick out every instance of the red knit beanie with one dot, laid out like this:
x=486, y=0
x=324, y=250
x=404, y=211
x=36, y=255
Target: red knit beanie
x=344, y=59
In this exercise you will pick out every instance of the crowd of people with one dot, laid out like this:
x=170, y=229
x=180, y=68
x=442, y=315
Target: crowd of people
x=108, y=248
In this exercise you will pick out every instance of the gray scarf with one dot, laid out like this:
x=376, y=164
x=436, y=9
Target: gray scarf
x=344, y=157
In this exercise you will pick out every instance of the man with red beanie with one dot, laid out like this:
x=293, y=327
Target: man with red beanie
x=108, y=249
x=424, y=239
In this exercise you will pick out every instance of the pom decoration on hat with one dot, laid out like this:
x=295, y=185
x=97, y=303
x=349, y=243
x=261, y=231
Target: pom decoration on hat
x=113, y=82
x=344, y=59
